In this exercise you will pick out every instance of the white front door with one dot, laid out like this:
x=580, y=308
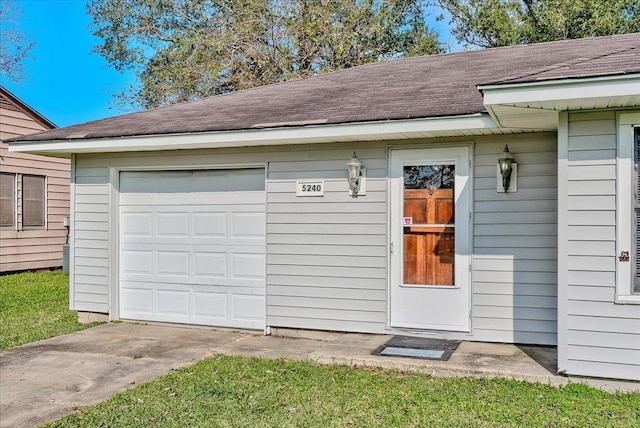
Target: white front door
x=430, y=197
x=192, y=247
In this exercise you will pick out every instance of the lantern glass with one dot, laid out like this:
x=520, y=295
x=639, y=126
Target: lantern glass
x=505, y=162
x=354, y=166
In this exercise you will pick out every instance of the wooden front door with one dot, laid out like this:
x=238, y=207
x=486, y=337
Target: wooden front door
x=429, y=241
x=430, y=238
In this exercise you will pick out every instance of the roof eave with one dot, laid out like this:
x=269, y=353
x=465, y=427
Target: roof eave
x=536, y=104
x=472, y=124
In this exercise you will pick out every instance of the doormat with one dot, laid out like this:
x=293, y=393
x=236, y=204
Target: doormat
x=417, y=347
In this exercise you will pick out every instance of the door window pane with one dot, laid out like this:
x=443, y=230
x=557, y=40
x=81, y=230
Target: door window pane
x=32, y=201
x=429, y=225
x=7, y=200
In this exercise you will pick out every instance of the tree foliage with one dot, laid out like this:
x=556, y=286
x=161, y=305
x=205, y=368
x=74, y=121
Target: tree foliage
x=14, y=46
x=187, y=49
x=491, y=23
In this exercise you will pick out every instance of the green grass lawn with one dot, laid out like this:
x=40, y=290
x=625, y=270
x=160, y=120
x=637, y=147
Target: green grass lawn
x=35, y=306
x=246, y=392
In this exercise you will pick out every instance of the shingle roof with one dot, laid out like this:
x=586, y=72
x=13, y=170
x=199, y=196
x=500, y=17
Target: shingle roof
x=430, y=86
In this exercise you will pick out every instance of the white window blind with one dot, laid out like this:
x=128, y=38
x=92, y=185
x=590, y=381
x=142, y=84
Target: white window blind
x=33, y=201
x=7, y=200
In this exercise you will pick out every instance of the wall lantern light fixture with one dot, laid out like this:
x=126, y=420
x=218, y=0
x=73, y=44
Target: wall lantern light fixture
x=507, y=168
x=354, y=166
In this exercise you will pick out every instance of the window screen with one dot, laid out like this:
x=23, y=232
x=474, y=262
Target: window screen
x=7, y=200
x=32, y=201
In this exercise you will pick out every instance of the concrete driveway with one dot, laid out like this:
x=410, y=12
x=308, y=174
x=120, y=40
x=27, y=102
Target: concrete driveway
x=49, y=379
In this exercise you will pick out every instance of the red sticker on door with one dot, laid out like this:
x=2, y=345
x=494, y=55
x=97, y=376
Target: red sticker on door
x=408, y=221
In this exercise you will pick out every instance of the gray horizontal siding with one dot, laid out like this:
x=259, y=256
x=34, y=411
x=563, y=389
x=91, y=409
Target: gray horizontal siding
x=90, y=238
x=602, y=338
x=326, y=263
x=515, y=243
x=327, y=256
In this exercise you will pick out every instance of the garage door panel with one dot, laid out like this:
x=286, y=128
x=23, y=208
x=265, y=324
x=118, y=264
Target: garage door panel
x=201, y=246
x=248, y=224
x=205, y=203
x=213, y=284
x=210, y=264
x=209, y=224
x=197, y=203
x=137, y=262
x=210, y=306
x=210, y=181
x=253, y=181
x=136, y=224
x=172, y=224
x=192, y=247
x=172, y=263
x=247, y=266
x=196, y=243
x=248, y=307
x=136, y=184
x=136, y=300
x=173, y=302
x=173, y=185
x=244, y=200
x=200, y=261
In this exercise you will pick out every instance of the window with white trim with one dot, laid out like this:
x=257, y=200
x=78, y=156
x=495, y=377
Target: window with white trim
x=7, y=201
x=628, y=209
x=33, y=201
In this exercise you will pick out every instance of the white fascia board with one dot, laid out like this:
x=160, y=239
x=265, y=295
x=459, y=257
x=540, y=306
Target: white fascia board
x=367, y=131
x=565, y=89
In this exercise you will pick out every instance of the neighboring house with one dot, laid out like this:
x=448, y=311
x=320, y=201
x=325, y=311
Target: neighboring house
x=34, y=194
x=236, y=210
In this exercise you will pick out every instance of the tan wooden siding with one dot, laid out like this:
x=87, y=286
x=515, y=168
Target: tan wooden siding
x=36, y=248
x=602, y=338
x=16, y=123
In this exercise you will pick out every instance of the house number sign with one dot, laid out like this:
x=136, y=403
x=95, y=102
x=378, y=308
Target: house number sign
x=309, y=188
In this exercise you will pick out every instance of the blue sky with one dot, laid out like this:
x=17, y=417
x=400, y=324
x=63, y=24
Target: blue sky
x=65, y=81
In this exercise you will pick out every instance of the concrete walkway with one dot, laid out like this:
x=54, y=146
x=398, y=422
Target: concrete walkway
x=48, y=379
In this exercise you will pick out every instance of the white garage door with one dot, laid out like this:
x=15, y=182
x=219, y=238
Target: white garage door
x=192, y=247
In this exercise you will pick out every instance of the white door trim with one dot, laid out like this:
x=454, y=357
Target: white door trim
x=464, y=237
